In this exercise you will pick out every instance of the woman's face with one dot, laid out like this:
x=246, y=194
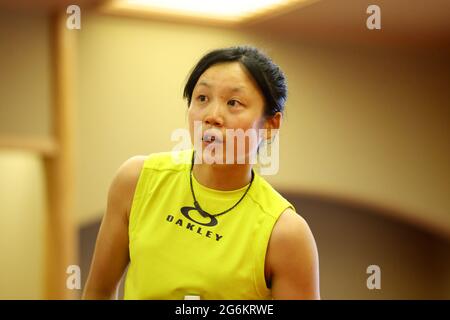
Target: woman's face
x=224, y=99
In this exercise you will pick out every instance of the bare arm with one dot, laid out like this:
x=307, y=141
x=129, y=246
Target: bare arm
x=111, y=255
x=293, y=259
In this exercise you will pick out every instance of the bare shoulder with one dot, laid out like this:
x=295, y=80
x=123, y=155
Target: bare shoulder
x=111, y=254
x=128, y=173
x=291, y=231
x=290, y=228
x=292, y=259
x=131, y=168
x=124, y=182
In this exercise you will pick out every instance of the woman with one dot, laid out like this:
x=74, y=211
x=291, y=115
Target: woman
x=209, y=226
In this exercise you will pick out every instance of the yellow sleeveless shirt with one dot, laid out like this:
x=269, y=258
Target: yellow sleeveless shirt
x=176, y=252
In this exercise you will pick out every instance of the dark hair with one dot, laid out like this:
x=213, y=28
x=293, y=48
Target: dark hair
x=269, y=77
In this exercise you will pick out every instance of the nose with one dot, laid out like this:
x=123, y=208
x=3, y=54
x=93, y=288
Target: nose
x=214, y=116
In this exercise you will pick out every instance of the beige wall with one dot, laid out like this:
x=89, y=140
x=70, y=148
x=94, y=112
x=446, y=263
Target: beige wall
x=25, y=83
x=22, y=215
x=362, y=123
x=369, y=124
x=24, y=110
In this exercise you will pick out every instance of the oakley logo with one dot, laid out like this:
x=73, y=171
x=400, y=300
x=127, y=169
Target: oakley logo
x=186, y=211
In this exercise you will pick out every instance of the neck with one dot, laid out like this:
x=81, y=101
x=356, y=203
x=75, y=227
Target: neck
x=223, y=177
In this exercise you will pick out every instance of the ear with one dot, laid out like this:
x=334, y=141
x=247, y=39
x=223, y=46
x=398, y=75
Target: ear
x=273, y=122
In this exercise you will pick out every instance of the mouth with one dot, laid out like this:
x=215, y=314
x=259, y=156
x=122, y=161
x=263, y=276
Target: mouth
x=212, y=137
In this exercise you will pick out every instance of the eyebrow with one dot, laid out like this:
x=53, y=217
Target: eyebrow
x=234, y=89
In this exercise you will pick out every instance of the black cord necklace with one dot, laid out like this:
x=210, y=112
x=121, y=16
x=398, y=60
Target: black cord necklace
x=197, y=205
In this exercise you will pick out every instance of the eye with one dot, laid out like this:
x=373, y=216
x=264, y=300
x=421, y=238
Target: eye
x=202, y=98
x=234, y=103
